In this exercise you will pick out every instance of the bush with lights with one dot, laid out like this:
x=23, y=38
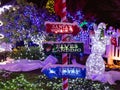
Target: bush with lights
x=23, y=21
x=33, y=53
x=44, y=83
x=19, y=83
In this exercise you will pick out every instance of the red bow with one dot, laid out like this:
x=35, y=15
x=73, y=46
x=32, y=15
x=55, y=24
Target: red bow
x=114, y=41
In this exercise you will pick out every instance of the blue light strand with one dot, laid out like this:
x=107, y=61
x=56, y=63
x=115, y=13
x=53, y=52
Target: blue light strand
x=23, y=20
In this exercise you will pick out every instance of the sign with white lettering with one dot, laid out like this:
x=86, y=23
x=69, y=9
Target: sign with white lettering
x=68, y=72
x=62, y=28
x=63, y=47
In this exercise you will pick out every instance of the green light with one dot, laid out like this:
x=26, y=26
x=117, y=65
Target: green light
x=83, y=23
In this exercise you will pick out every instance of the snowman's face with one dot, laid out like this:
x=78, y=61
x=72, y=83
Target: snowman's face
x=101, y=26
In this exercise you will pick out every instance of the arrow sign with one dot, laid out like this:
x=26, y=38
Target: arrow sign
x=63, y=47
x=62, y=28
x=68, y=72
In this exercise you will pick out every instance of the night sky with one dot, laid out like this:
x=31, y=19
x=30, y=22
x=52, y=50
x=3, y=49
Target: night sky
x=107, y=11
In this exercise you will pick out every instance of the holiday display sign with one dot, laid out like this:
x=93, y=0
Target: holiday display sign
x=63, y=47
x=68, y=72
x=62, y=28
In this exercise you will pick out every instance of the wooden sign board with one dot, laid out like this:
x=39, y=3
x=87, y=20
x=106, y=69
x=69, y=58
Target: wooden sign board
x=68, y=72
x=62, y=28
x=63, y=47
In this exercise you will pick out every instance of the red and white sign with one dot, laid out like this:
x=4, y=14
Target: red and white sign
x=62, y=28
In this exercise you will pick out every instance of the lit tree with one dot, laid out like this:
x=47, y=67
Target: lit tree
x=23, y=21
x=50, y=6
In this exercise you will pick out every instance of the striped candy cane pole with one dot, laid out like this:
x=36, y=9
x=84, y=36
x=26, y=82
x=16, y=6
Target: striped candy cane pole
x=64, y=38
x=65, y=62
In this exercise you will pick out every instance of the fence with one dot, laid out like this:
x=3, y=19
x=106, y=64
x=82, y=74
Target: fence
x=112, y=52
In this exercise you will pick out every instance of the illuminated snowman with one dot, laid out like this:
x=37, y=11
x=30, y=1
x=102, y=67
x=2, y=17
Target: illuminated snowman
x=95, y=64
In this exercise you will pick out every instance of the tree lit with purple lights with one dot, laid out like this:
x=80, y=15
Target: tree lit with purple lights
x=24, y=20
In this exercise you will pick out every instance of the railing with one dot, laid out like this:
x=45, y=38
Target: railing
x=115, y=53
x=112, y=52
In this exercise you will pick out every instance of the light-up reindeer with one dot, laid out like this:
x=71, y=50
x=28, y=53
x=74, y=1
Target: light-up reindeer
x=95, y=64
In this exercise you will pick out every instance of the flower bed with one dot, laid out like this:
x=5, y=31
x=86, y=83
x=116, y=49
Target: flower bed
x=38, y=81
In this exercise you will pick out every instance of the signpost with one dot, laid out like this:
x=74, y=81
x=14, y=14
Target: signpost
x=63, y=47
x=65, y=29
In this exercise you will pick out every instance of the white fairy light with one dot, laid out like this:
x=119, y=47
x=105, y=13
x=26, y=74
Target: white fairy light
x=1, y=23
x=1, y=36
x=2, y=9
x=95, y=63
x=1, y=48
x=38, y=39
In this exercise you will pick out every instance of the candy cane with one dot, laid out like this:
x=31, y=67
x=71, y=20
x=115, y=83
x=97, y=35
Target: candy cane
x=63, y=17
x=64, y=38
